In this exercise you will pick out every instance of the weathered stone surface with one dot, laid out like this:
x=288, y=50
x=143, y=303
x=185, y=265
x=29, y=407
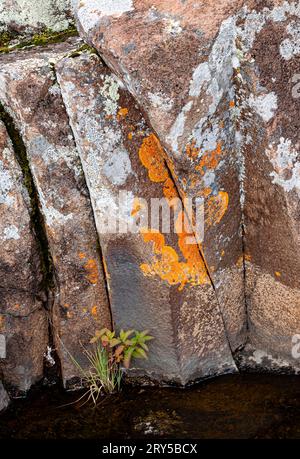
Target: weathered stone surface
x=156, y=281
x=27, y=17
x=23, y=320
x=182, y=62
x=178, y=66
x=80, y=305
x=270, y=63
x=4, y=398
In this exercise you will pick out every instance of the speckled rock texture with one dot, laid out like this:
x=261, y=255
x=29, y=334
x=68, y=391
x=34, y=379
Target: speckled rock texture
x=193, y=100
x=79, y=302
x=216, y=83
x=156, y=280
x=26, y=17
x=23, y=319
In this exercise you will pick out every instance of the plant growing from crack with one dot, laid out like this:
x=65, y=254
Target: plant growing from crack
x=110, y=354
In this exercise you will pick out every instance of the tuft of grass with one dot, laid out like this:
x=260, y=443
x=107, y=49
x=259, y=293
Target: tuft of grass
x=102, y=377
x=110, y=352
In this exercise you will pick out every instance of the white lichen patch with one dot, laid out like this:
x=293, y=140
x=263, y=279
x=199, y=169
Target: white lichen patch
x=31, y=15
x=160, y=101
x=259, y=356
x=110, y=93
x=172, y=26
x=6, y=186
x=89, y=12
x=177, y=129
x=53, y=155
x=11, y=232
x=118, y=167
x=290, y=47
x=286, y=163
x=264, y=105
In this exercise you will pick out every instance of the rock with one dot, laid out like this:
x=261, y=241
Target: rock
x=201, y=75
x=4, y=398
x=78, y=301
x=157, y=281
x=26, y=17
x=178, y=66
x=23, y=320
x=271, y=149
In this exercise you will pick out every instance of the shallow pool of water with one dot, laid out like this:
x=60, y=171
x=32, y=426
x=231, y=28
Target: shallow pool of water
x=232, y=406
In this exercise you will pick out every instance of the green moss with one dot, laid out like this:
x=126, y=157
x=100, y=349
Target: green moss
x=82, y=49
x=36, y=216
x=40, y=39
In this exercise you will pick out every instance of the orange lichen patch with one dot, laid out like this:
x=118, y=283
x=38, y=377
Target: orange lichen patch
x=216, y=208
x=206, y=192
x=94, y=311
x=156, y=237
x=66, y=305
x=122, y=113
x=248, y=257
x=210, y=160
x=151, y=156
x=130, y=135
x=92, y=270
x=277, y=274
x=222, y=253
x=1, y=321
x=231, y=104
x=169, y=190
x=167, y=266
x=82, y=255
x=166, y=262
x=191, y=150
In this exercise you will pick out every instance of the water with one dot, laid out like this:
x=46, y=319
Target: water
x=232, y=406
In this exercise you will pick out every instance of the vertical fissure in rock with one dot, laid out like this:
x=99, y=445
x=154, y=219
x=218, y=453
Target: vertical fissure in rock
x=202, y=257
x=48, y=283
x=238, y=128
x=99, y=248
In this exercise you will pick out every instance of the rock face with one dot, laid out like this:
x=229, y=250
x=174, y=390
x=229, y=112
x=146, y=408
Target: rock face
x=26, y=17
x=217, y=101
x=4, y=398
x=197, y=110
x=178, y=66
x=23, y=319
x=157, y=280
x=79, y=302
x=271, y=150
